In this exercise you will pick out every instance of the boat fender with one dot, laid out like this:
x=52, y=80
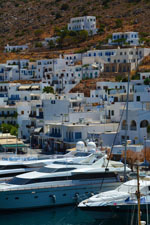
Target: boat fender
x=92, y=194
x=76, y=197
x=143, y=222
x=53, y=198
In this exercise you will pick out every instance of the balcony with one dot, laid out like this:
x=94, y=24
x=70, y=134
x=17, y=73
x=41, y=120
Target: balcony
x=70, y=140
x=32, y=115
x=40, y=117
x=55, y=135
x=9, y=115
x=133, y=128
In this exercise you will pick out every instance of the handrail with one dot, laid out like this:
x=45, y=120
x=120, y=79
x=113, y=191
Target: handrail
x=51, y=186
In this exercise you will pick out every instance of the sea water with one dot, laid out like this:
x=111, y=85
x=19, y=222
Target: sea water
x=69, y=215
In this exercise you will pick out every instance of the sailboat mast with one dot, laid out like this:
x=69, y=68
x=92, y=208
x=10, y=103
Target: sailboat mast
x=138, y=196
x=126, y=128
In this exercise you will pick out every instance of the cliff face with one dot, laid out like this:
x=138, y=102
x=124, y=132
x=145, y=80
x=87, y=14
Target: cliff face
x=28, y=21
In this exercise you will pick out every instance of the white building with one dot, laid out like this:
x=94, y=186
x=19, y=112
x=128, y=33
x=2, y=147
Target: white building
x=87, y=23
x=50, y=39
x=123, y=38
x=15, y=48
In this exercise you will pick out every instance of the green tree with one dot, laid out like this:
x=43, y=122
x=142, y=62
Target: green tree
x=51, y=44
x=9, y=128
x=48, y=89
x=118, y=78
x=82, y=35
x=147, y=81
x=64, y=6
x=38, y=33
x=119, y=23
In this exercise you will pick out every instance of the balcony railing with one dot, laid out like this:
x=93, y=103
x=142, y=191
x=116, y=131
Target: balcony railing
x=9, y=115
x=55, y=135
x=71, y=140
x=133, y=128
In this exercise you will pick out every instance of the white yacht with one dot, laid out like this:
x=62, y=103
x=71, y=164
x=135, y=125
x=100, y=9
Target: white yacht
x=56, y=185
x=16, y=166
x=122, y=200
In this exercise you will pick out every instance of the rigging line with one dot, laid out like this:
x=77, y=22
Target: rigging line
x=132, y=217
x=147, y=214
x=63, y=218
x=113, y=143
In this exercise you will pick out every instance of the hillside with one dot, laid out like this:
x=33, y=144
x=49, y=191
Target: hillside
x=30, y=21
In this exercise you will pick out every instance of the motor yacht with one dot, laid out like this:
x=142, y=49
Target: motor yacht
x=15, y=165
x=8, y=169
x=120, y=201
x=55, y=185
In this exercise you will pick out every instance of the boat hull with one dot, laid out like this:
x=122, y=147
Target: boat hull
x=128, y=211
x=52, y=196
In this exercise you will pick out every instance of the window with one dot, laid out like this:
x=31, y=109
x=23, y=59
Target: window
x=53, y=102
x=78, y=135
x=138, y=98
x=112, y=112
x=22, y=112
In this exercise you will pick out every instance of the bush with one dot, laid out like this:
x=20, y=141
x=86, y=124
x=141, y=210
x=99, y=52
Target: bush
x=119, y=23
x=64, y=6
x=118, y=78
x=38, y=32
x=8, y=128
x=58, y=15
x=147, y=81
x=51, y=44
x=48, y=89
x=136, y=76
x=101, y=30
x=38, y=45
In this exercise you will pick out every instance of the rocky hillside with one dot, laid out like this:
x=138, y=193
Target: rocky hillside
x=29, y=21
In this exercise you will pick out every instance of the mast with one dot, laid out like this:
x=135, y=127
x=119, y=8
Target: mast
x=138, y=196
x=126, y=128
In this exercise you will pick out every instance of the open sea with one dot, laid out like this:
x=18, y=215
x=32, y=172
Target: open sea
x=68, y=215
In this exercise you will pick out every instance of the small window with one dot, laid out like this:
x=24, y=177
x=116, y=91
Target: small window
x=64, y=194
x=16, y=198
x=35, y=196
x=138, y=98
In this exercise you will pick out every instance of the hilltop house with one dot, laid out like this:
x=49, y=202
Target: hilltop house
x=9, y=48
x=87, y=23
x=122, y=38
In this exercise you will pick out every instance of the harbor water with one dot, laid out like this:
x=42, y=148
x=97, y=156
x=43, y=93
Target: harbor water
x=69, y=215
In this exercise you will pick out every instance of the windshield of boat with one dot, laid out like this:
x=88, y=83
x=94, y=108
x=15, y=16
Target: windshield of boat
x=54, y=170
x=81, y=154
x=17, y=181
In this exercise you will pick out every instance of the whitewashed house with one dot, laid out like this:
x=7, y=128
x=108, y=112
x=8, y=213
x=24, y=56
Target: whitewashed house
x=50, y=39
x=87, y=23
x=124, y=38
x=15, y=48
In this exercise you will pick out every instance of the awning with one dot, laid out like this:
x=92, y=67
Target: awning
x=94, y=65
x=14, y=146
x=38, y=129
x=34, y=94
x=35, y=87
x=25, y=87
